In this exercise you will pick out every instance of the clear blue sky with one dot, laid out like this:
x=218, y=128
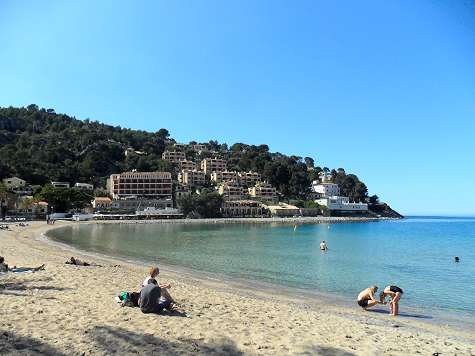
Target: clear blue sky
x=383, y=89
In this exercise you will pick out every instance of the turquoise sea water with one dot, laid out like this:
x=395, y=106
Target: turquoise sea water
x=416, y=254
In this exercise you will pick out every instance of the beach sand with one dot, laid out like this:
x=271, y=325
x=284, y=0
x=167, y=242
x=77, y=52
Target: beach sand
x=71, y=310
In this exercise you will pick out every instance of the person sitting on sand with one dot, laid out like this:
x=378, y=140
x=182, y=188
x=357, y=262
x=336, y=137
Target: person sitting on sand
x=152, y=279
x=78, y=262
x=394, y=292
x=366, y=298
x=4, y=267
x=151, y=300
x=323, y=246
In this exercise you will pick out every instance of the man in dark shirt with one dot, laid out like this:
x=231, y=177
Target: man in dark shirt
x=149, y=301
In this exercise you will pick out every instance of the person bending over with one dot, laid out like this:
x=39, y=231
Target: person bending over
x=366, y=298
x=395, y=293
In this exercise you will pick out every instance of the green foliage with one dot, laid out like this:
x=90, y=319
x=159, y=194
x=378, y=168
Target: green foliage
x=204, y=205
x=63, y=199
x=40, y=146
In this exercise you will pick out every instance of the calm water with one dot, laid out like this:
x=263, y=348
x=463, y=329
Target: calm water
x=416, y=254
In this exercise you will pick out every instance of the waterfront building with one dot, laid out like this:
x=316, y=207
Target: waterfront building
x=173, y=156
x=231, y=190
x=192, y=177
x=283, y=210
x=223, y=176
x=325, y=189
x=263, y=191
x=337, y=203
x=186, y=165
x=150, y=185
x=242, y=208
x=101, y=203
x=249, y=178
x=84, y=186
x=60, y=184
x=209, y=165
x=131, y=205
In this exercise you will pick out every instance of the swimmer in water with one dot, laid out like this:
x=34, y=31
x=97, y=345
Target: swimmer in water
x=323, y=246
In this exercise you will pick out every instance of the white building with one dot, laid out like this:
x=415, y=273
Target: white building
x=325, y=189
x=60, y=184
x=342, y=204
x=84, y=186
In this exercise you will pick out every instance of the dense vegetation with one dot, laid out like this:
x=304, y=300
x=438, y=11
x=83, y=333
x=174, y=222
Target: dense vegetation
x=40, y=145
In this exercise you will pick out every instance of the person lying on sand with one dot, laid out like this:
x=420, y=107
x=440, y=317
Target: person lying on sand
x=395, y=293
x=4, y=267
x=366, y=298
x=151, y=279
x=78, y=262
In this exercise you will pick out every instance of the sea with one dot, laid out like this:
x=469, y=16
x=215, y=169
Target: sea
x=415, y=253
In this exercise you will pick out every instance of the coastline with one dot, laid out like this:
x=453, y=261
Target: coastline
x=277, y=220
x=226, y=318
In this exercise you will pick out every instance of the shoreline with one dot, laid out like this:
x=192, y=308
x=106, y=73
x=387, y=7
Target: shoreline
x=268, y=290
x=251, y=321
x=278, y=220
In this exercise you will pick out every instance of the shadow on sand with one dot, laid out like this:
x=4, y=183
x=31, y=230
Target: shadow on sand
x=111, y=340
x=403, y=314
x=10, y=343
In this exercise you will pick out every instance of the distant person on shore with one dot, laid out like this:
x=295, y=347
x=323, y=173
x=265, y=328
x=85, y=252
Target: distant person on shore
x=4, y=267
x=152, y=279
x=323, y=246
x=366, y=298
x=395, y=293
x=78, y=262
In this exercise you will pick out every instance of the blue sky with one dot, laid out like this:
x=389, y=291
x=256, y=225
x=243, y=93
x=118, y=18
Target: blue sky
x=385, y=90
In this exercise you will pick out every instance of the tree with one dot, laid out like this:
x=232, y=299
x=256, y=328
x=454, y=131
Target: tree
x=204, y=205
x=163, y=134
x=309, y=162
x=374, y=199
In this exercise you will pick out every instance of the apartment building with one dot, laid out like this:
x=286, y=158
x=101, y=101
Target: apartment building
x=186, y=165
x=209, y=165
x=224, y=176
x=141, y=184
x=173, y=156
x=231, y=190
x=192, y=177
x=249, y=178
x=263, y=191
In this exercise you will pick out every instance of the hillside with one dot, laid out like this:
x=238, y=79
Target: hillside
x=40, y=145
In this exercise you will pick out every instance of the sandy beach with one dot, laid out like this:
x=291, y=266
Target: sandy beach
x=70, y=310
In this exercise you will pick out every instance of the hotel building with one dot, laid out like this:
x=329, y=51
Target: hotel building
x=141, y=185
